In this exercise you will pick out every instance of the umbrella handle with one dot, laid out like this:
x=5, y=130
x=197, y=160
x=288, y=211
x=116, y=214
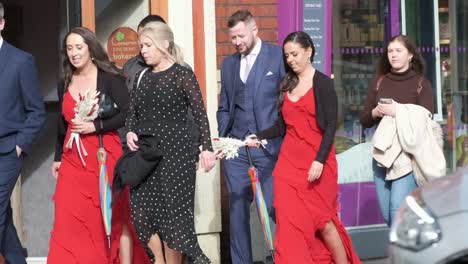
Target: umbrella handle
x=101, y=144
x=249, y=156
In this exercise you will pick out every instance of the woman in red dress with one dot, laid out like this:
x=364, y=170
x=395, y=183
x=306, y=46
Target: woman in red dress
x=78, y=234
x=308, y=229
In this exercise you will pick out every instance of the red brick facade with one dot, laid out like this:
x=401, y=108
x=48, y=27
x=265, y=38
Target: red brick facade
x=265, y=13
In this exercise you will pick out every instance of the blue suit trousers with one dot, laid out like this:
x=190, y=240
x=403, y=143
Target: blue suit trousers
x=241, y=196
x=10, y=245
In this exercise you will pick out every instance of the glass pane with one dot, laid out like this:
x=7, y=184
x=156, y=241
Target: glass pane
x=358, y=36
x=420, y=28
x=117, y=21
x=447, y=73
x=454, y=59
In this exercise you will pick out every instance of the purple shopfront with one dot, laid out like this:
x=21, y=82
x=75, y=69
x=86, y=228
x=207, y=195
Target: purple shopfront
x=349, y=36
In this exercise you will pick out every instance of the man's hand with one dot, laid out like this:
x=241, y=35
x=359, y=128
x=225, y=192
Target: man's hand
x=252, y=141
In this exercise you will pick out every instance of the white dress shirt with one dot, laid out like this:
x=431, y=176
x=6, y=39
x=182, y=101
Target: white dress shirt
x=251, y=57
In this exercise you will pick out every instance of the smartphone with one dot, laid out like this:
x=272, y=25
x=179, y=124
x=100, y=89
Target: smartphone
x=385, y=100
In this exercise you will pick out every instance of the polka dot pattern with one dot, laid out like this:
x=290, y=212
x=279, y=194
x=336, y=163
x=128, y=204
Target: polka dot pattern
x=164, y=202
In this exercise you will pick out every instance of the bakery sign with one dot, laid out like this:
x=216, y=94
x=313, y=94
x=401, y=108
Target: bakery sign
x=122, y=45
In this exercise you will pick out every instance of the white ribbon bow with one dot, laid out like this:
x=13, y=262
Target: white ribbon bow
x=75, y=137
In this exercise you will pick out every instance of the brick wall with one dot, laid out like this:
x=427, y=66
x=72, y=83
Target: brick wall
x=265, y=14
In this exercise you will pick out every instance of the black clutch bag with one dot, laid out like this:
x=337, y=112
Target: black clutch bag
x=134, y=167
x=107, y=107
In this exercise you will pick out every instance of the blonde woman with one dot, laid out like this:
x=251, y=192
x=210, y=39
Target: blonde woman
x=162, y=205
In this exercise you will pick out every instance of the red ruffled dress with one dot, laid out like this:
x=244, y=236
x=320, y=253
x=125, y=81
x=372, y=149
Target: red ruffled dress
x=303, y=208
x=78, y=234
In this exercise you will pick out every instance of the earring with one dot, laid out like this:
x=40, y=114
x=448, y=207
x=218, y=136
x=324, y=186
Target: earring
x=410, y=59
x=92, y=58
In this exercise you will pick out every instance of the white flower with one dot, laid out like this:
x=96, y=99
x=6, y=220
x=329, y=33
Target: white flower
x=86, y=110
x=229, y=147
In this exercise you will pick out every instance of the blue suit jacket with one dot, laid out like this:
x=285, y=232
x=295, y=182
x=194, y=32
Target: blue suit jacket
x=22, y=111
x=268, y=71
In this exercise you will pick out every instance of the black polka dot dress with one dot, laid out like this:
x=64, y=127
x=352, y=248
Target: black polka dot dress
x=164, y=202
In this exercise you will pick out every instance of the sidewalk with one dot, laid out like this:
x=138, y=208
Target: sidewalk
x=375, y=261
x=371, y=261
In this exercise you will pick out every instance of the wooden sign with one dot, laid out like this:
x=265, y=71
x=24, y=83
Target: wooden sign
x=122, y=45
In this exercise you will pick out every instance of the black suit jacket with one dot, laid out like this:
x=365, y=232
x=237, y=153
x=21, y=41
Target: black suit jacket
x=22, y=111
x=107, y=83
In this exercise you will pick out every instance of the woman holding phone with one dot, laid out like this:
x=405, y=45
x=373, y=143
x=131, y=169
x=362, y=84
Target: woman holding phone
x=400, y=80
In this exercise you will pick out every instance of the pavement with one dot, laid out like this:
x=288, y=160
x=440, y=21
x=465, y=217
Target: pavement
x=366, y=261
x=375, y=261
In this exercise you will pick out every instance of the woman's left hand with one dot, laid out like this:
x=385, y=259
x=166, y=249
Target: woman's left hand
x=388, y=109
x=315, y=171
x=83, y=127
x=207, y=160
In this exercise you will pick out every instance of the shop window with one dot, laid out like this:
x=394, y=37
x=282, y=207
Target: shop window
x=358, y=39
x=442, y=40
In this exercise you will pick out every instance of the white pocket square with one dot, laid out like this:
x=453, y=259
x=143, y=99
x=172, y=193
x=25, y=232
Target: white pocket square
x=269, y=73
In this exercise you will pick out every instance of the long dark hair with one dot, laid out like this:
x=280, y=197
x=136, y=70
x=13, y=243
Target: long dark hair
x=290, y=80
x=96, y=51
x=416, y=64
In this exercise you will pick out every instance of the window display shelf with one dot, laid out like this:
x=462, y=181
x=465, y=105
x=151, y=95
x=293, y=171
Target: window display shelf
x=353, y=44
x=445, y=41
x=443, y=10
x=361, y=36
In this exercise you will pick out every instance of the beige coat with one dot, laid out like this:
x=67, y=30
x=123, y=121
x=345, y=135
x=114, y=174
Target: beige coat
x=411, y=141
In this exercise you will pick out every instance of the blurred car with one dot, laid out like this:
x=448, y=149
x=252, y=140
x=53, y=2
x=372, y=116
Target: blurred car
x=432, y=224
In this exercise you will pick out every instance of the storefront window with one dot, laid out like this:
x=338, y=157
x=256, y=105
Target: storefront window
x=458, y=75
x=444, y=48
x=116, y=26
x=454, y=72
x=358, y=39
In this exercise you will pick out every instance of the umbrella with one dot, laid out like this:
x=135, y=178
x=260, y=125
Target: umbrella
x=260, y=203
x=105, y=193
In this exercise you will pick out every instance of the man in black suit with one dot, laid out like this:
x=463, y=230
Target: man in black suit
x=21, y=118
